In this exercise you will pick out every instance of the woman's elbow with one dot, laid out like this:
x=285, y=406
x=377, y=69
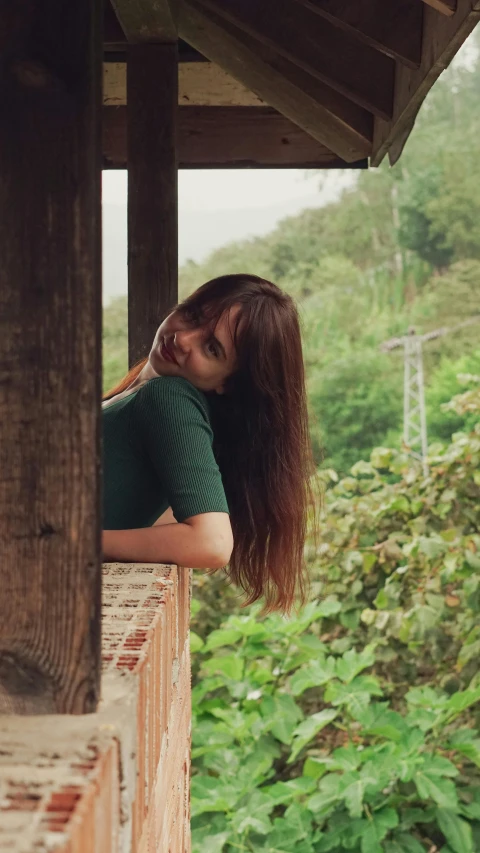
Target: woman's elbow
x=220, y=552
x=212, y=540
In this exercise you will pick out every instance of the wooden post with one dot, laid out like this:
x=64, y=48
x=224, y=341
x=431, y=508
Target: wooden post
x=152, y=95
x=50, y=358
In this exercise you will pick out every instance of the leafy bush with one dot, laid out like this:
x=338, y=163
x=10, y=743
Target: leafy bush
x=446, y=381
x=354, y=725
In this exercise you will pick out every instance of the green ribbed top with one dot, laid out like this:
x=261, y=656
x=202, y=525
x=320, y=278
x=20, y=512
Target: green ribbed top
x=157, y=452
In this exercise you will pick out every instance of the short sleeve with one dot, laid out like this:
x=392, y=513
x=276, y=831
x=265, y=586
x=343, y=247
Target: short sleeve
x=171, y=417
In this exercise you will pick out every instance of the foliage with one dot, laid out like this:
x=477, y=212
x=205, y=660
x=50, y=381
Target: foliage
x=355, y=403
x=440, y=206
x=420, y=232
x=450, y=378
x=355, y=724
x=115, y=342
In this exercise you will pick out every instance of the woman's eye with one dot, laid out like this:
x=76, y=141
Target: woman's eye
x=191, y=317
x=212, y=349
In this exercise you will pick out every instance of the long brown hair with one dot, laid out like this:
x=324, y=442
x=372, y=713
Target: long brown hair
x=261, y=436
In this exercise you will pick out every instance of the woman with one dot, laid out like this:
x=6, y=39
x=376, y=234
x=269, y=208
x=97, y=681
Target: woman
x=210, y=432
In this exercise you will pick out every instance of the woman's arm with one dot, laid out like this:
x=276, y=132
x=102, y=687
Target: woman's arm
x=201, y=542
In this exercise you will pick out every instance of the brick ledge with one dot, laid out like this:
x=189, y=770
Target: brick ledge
x=116, y=780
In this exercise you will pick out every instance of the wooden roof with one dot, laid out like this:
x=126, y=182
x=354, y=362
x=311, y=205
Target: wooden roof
x=299, y=83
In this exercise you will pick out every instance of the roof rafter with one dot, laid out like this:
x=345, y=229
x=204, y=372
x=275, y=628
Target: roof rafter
x=446, y=7
x=356, y=70
x=442, y=37
x=147, y=21
x=395, y=28
x=330, y=118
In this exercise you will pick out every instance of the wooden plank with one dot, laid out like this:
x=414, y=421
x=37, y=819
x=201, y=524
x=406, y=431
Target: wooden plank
x=228, y=137
x=354, y=69
x=446, y=7
x=442, y=38
x=50, y=363
x=199, y=84
x=145, y=21
x=331, y=119
x=394, y=28
x=152, y=192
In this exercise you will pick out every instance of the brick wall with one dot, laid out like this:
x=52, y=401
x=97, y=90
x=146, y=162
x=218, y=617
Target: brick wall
x=116, y=781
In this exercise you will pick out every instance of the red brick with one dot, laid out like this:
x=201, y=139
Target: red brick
x=145, y=628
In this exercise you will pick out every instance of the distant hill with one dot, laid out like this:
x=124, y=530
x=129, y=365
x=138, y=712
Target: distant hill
x=199, y=234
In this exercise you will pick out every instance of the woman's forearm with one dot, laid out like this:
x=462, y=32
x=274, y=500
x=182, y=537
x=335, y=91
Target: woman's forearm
x=195, y=545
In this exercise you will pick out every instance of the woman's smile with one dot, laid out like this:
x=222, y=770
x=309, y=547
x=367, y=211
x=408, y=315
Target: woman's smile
x=167, y=353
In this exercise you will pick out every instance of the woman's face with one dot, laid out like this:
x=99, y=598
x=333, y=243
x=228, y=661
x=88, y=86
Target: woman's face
x=204, y=356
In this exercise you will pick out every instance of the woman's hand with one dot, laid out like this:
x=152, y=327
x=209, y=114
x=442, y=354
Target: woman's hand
x=201, y=542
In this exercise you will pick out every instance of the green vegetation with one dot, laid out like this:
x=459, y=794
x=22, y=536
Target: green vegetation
x=354, y=725
x=115, y=342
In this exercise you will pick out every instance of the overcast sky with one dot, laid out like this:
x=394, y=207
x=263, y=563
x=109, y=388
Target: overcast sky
x=230, y=189
x=215, y=208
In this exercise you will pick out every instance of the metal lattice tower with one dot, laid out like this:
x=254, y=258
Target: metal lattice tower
x=414, y=417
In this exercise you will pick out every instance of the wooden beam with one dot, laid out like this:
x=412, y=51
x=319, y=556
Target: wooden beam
x=15, y=23
x=446, y=7
x=442, y=38
x=145, y=21
x=394, y=28
x=228, y=137
x=330, y=118
x=354, y=69
x=152, y=192
x=50, y=363
x=199, y=84
x=113, y=35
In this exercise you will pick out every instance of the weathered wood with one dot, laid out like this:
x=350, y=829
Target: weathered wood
x=152, y=192
x=113, y=36
x=199, y=84
x=354, y=69
x=15, y=23
x=228, y=137
x=395, y=28
x=442, y=37
x=330, y=118
x=50, y=363
x=145, y=21
x=446, y=7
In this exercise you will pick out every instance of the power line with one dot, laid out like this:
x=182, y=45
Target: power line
x=393, y=343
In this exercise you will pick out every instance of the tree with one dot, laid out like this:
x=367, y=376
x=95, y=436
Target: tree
x=355, y=402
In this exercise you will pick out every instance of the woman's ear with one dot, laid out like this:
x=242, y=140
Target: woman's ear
x=220, y=389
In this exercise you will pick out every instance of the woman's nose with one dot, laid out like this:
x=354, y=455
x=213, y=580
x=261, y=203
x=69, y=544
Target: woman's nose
x=184, y=339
